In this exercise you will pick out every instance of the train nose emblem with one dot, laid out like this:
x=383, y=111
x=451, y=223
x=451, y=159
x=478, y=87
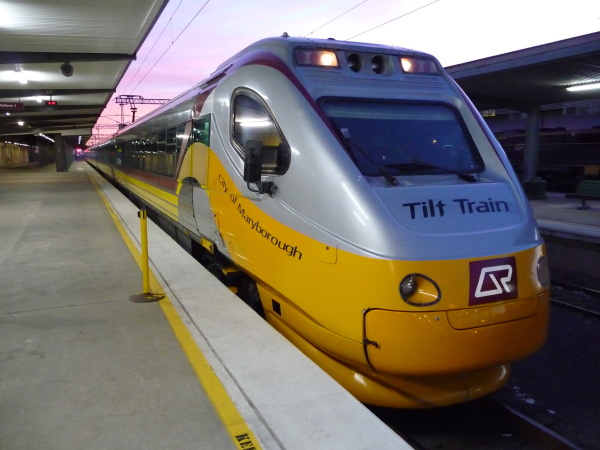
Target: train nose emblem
x=492, y=280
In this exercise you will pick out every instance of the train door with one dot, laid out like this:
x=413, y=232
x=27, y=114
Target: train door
x=110, y=160
x=194, y=208
x=185, y=205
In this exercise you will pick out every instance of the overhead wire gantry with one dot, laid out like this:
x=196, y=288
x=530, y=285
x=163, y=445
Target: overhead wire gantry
x=133, y=100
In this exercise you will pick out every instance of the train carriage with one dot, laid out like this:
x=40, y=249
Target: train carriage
x=368, y=211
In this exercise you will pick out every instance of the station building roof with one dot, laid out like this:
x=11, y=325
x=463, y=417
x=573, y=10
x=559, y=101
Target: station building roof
x=533, y=76
x=42, y=41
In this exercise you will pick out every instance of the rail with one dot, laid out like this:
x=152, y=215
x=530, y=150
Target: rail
x=579, y=298
x=484, y=423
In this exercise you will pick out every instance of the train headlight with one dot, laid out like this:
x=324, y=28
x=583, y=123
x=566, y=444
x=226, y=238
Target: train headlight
x=543, y=271
x=419, y=290
x=312, y=57
x=418, y=65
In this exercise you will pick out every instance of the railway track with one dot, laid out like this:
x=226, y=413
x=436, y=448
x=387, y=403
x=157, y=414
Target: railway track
x=574, y=264
x=575, y=274
x=485, y=423
x=576, y=297
x=535, y=433
x=579, y=288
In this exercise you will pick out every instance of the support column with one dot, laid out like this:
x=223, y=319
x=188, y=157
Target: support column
x=64, y=155
x=534, y=188
x=532, y=143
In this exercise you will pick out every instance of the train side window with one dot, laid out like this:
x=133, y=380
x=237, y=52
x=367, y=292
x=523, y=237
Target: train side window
x=153, y=144
x=252, y=121
x=123, y=154
x=179, y=136
x=202, y=130
x=162, y=142
x=171, y=140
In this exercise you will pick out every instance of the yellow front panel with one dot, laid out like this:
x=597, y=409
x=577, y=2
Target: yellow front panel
x=379, y=389
x=323, y=292
x=462, y=319
x=423, y=344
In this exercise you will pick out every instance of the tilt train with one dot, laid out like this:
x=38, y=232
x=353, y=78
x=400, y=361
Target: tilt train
x=368, y=211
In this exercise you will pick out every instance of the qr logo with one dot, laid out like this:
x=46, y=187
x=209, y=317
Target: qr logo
x=492, y=280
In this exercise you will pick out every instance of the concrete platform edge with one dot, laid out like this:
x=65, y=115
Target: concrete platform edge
x=577, y=232
x=285, y=399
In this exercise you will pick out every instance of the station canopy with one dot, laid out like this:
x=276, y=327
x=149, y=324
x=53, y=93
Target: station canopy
x=532, y=77
x=61, y=61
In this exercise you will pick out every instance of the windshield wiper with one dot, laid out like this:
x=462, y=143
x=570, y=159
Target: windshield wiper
x=351, y=144
x=467, y=176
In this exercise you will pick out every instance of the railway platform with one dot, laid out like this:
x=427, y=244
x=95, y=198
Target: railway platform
x=559, y=216
x=84, y=367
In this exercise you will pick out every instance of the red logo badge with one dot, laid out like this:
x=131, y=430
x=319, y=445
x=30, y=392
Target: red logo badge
x=492, y=280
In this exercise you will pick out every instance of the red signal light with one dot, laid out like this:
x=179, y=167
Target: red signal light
x=51, y=103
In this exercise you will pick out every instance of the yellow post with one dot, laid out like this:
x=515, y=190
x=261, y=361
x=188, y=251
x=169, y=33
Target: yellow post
x=143, y=215
x=146, y=295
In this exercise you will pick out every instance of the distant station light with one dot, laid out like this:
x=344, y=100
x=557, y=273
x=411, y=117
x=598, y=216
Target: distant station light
x=584, y=87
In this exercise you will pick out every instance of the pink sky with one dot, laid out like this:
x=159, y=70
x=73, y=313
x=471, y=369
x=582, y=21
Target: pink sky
x=455, y=31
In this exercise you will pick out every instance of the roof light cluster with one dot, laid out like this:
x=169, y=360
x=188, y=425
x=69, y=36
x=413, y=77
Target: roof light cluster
x=370, y=62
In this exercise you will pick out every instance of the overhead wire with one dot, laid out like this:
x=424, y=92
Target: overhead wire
x=170, y=21
x=389, y=21
x=173, y=42
x=167, y=49
x=335, y=18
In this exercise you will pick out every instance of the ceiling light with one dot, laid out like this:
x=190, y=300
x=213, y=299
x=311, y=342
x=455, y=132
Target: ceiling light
x=584, y=87
x=21, y=123
x=46, y=137
x=20, y=76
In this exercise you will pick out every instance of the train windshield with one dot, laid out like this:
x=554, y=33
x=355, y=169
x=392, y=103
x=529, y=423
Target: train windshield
x=393, y=138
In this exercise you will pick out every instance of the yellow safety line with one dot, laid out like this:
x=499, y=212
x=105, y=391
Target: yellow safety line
x=235, y=424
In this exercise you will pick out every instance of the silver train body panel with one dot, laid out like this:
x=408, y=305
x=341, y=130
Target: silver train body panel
x=425, y=217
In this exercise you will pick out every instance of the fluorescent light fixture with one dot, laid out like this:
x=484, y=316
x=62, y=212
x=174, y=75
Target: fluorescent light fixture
x=20, y=76
x=8, y=14
x=44, y=136
x=584, y=87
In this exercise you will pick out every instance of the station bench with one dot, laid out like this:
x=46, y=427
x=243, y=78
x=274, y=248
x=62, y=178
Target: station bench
x=586, y=190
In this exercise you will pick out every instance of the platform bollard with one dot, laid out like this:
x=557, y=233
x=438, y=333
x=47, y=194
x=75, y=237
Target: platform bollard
x=146, y=295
